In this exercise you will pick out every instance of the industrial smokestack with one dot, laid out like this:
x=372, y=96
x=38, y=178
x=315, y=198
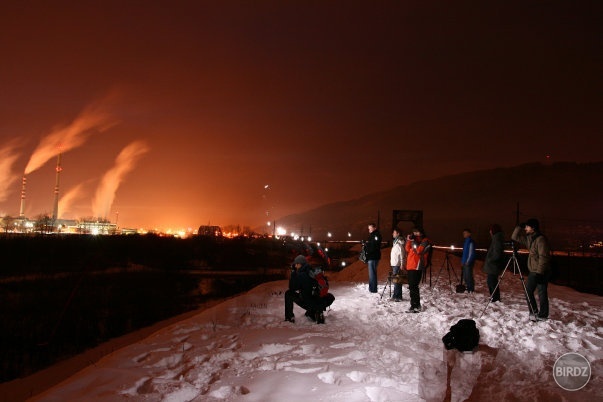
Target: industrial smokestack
x=55, y=210
x=22, y=210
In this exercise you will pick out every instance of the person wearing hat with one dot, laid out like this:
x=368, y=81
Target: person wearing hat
x=539, y=265
x=302, y=286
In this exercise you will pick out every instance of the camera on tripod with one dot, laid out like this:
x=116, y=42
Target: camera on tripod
x=401, y=278
x=510, y=244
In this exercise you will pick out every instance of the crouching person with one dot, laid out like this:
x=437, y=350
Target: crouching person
x=308, y=288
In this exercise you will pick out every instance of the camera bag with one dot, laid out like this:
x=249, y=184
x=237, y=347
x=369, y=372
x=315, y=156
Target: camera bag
x=463, y=336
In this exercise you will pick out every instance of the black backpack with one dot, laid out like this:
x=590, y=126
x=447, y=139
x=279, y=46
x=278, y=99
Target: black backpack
x=463, y=336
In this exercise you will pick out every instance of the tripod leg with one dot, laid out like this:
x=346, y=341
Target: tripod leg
x=531, y=308
x=449, y=268
x=496, y=287
x=437, y=277
x=389, y=282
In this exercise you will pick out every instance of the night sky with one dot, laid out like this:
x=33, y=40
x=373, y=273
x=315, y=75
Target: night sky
x=182, y=113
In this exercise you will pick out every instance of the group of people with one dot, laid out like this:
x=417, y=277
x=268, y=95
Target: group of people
x=539, y=265
x=412, y=254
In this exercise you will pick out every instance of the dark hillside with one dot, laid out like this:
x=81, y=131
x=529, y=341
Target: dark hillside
x=566, y=197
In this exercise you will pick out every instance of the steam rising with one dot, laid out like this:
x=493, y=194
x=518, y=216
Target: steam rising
x=124, y=163
x=72, y=136
x=8, y=156
x=67, y=200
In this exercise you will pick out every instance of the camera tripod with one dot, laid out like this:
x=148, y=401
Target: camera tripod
x=516, y=268
x=449, y=268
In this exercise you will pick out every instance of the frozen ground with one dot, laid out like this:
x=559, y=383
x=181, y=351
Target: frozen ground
x=368, y=350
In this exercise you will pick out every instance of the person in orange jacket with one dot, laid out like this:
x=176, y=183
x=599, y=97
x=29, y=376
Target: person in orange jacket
x=418, y=249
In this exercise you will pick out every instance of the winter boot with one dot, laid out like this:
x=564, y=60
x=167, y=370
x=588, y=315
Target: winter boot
x=320, y=318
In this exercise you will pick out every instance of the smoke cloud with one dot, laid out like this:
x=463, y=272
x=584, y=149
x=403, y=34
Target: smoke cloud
x=124, y=163
x=93, y=117
x=8, y=156
x=67, y=200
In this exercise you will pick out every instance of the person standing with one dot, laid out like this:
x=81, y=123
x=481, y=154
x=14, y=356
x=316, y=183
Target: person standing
x=539, y=265
x=467, y=260
x=495, y=261
x=373, y=255
x=397, y=261
x=418, y=249
x=302, y=291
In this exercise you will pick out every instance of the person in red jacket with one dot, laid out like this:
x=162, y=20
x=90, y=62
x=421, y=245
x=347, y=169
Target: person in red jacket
x=418, y=248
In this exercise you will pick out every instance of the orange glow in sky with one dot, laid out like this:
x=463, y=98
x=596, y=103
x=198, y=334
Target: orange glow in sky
x=324, y=103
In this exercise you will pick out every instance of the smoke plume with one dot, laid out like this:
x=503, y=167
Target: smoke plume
x=8, y=156
x=124, y=163
x=93, y=117
x=67, y=200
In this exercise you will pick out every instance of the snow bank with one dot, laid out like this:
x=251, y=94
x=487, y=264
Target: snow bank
x=368, y=350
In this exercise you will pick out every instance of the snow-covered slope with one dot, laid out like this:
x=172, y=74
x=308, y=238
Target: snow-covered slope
x=368, y=350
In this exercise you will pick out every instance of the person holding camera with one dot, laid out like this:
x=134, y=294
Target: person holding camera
x=373, y=255
x=397, y=261
x=302, y=291
x=467, y=260
x=539, y=265
x=495, y=261
x=418, y=249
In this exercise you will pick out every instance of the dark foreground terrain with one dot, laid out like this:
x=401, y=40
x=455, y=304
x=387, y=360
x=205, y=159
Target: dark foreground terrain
x=61, y=295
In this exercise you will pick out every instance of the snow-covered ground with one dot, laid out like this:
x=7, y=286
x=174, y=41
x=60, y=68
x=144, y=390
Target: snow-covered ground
x=368, y=350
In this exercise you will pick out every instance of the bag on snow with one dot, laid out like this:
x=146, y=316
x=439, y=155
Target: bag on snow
x=463, y=336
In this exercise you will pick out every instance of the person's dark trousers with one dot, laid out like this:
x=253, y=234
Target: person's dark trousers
x=318, y=304
x=372, y=271
x=468, y=277
x=397, y=286
x=492, y=281
x=414, y=278
x=540, y=282
x=290, y=297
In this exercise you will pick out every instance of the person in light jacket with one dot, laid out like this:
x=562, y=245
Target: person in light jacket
x=397, y=261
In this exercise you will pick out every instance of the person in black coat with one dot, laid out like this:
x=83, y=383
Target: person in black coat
x=373, y=255
x=494, y=263
x=303, y=292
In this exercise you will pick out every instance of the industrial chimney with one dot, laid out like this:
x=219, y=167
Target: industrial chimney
x=22, y=210
x=55, y=210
